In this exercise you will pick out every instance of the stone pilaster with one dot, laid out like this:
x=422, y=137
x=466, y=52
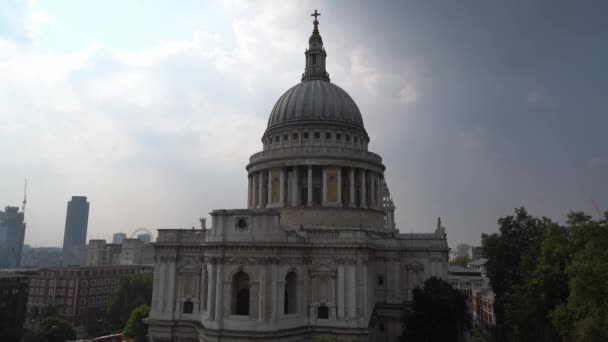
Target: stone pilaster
x=295, y=194
x=249, y=184
x=324, y=186
x=219, y=294
x=282, y=188
x=269, y=203
x=340, y=291
x=363, y=200
x=309, y=186
x=339, y=189
x=211, y=291
x=351, y=200
x=261, y=203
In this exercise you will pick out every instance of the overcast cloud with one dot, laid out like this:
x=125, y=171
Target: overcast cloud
x=151, y=109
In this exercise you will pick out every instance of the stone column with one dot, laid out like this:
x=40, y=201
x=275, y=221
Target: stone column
x=309, y=186
x=171, y=286
x=295, y=191
x=363, y=202
x=352, y=295
x=158, y=305
x=219, y=294
x=274, y=292
x=339, y=170
x=249, y=184
x=261, y=203
x=372, y=190
x=365, y=297
x=396, y=263
x=211, y=290
x=269, y=198
x=282, y=188
x=340, y=291
x=380, y=190
x=324, y=186
x=351, y=200
x=262, y=303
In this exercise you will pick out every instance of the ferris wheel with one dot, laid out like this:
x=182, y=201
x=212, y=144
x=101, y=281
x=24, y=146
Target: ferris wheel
x=139, y=231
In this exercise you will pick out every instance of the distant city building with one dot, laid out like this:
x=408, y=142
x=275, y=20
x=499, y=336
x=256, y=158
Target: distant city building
x=78, y=294
x=41, y=256
x=129, y=252
x=482, y=304
x=12, y=233
x=13, y=300
x=462, y=249
x=118, y=237
x=146, y=238
x=465, y=279
x=478, y=264
x=477, y=252
x=75, y=235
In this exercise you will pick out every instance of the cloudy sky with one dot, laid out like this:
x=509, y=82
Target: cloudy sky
x=151, y=108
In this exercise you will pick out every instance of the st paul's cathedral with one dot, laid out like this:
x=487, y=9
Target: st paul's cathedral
x=316, y=253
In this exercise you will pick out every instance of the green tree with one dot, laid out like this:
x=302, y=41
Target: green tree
x=549, y=280
x=544, y=286
x=136, y=330
x=439, y=313
x=513, y=249
x=584, y=315
x=134, y=291
x=51, y=329
x=461, y=260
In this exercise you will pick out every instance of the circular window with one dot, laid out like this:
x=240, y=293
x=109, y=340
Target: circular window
x=241, y=224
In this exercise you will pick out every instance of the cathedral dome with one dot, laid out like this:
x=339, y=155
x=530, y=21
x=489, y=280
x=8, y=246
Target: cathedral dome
x=315, y=100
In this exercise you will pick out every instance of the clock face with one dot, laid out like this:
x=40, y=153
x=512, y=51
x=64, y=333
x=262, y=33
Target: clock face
x=241, y=224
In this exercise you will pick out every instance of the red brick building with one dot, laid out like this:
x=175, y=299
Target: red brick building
x=76, y=294
x=483, y=308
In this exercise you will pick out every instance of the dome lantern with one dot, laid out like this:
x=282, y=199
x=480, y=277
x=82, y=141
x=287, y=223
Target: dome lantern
x=315, y=55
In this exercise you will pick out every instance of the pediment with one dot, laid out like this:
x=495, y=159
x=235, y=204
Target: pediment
x=323, y=269
x=190, y=265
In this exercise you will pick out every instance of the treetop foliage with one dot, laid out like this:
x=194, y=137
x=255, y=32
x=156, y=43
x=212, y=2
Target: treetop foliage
x=439, y=313
x=550, y=281
x=136, y=330
x=51, y=329
x=133, y=291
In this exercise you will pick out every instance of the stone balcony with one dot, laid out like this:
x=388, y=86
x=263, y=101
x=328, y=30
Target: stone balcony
x=312, y=151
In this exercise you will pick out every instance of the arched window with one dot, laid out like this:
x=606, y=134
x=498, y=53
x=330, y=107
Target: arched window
x=188, y=307
x=240, y=294
x=291, y=294
x=323, y=311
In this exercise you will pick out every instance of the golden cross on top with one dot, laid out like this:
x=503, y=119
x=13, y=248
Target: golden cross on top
x=316, y=14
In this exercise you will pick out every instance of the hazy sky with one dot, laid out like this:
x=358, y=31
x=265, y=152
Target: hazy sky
x=152, y=108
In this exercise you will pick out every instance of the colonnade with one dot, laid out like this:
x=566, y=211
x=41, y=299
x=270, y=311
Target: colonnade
x=315, y=185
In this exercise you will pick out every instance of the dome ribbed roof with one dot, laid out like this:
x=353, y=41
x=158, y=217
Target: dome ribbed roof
x=315, y=100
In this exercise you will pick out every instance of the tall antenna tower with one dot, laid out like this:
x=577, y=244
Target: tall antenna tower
x=24, y=196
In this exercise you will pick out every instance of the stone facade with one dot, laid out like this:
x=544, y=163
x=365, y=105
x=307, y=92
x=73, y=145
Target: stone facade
x=317, y=251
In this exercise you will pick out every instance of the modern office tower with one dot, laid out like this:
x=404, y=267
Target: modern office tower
x=75, y=235
x=477, y=252
x=118, y=237
x=12, y=233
